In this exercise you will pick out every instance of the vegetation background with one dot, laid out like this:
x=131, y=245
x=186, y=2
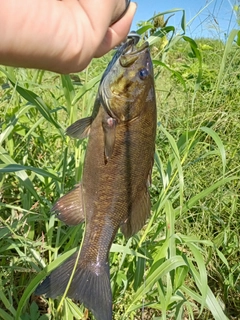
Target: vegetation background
x=184, y=264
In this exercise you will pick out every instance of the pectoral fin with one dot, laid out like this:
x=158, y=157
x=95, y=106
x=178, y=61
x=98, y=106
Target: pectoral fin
x=140, y=211
x=109, y=129
x=149, y=178
x=69, y=208
x=80, y=129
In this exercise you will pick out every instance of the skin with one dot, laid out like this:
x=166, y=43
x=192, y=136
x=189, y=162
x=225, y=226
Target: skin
x=60, y=36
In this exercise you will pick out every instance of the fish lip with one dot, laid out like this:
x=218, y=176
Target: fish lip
x=130, y=52
x=131, y=49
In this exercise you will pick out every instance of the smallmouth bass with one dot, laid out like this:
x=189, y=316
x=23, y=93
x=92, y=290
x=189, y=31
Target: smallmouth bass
x=117, y=169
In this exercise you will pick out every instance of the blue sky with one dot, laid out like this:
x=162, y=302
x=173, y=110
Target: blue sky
x=216, y=19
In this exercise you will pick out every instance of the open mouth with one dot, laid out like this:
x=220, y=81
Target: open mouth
x=131, y=53
x=130, y=47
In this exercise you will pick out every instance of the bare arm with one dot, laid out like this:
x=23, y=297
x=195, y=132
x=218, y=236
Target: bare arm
x=61, y=36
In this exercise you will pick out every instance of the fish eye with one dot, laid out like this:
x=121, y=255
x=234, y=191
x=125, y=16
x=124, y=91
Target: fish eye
x=143, y=73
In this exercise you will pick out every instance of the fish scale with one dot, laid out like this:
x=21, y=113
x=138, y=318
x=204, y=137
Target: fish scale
x=117, y=169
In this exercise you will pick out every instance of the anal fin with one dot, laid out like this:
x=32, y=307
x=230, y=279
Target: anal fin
x=69, y=208
x=139, y=212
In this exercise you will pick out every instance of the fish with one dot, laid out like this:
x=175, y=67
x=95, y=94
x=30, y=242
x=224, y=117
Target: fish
x=114, y=191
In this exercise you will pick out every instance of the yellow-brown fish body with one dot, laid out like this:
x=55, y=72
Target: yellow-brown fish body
x=117, y=170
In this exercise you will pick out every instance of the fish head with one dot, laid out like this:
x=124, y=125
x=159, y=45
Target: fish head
x=128, y=83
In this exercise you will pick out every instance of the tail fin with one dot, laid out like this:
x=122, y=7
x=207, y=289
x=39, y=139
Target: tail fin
x=90, y=285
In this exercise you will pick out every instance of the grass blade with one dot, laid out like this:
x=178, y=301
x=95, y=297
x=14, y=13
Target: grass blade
x=153, y=278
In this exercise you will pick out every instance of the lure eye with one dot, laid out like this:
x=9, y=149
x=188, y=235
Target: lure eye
x=143, y=73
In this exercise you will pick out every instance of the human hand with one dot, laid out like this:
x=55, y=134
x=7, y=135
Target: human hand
x=61, y=36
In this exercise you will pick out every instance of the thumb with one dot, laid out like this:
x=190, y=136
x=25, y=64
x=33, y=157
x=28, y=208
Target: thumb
x=117, y=32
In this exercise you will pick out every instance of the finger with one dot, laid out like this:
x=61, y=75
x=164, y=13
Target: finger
x=117, y=32
x=119, y=12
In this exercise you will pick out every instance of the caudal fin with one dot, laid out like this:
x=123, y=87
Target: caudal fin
x=90, y=285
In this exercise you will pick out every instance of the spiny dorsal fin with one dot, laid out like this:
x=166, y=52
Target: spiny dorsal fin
x=109, y=129
x=69, y=208
x=140, y=211
x=80, y=129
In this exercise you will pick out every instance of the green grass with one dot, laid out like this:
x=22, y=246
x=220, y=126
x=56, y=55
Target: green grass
x=184, y=264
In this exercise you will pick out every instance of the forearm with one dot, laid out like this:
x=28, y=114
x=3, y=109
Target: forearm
x=51, y=34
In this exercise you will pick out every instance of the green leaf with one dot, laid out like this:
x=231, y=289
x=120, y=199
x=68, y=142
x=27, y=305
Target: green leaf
x=23, y=177
x=138, y=275
x=11, y=126
x=177, y=163
x=85, y=88
x=170, y=226
x=198, y=258
x=7, y=304
x=36, y=101
x=238, y=38
x=190, y=203
x=227, y=49
x=4, y=315
x=18, y=167
x=34, y=313
x=211, y=300
x=163, y=269
x=174, y=72
x=125, y=250
x=219, y=143
x=74, y=309
x=222, y=257
x=145, y=28
x=198, y=55
x=68, y=90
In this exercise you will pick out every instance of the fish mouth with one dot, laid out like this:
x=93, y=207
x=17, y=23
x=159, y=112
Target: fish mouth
x=130, y=47
x=130, y=52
